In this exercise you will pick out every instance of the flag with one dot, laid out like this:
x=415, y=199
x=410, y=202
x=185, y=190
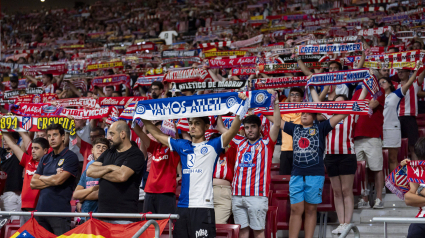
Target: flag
x=32, y=229
x=94, y=228
x=397, y=182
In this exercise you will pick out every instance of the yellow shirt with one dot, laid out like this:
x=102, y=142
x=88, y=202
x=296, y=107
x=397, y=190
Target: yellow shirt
x=287, y=139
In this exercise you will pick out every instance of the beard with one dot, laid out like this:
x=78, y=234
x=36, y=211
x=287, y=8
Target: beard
x=114, y=145
x=154, y=96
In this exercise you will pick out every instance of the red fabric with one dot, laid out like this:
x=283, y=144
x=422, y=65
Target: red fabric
x=31, y=227
x=370, y=126
x=408, y=104
x=225, y=165
x=48, y=89
x=162, y=175
x=29, y=196
x=340, y=141
x=85, y=151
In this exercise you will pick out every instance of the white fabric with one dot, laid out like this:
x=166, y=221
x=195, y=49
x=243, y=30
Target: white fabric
x=392, y=138
x=84, y=134
x=392, y=102
x=168, y=36
x=10, y=201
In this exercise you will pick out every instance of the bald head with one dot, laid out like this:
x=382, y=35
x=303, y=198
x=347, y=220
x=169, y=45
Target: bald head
x=119, y=134
x=123, y=126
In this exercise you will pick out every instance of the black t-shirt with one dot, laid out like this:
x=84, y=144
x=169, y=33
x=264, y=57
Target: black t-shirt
x=10, y=165
x=121, y=197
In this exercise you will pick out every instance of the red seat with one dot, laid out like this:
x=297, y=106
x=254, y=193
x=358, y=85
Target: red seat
x=271, y=222
x=359, y=178
x=386, y=163
x=422, y=132
x=403, y=152
x=275, y=169
x=227, y=230
x=280, y=182
x=178, y=189
x=327, y=204
x=281, y=200
x=420, y=119
x=11, y=228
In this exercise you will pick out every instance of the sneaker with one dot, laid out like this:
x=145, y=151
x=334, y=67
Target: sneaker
x=363, y=204
x=378, y=204
x=338, y=230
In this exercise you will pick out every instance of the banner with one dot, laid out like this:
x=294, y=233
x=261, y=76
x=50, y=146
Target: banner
x=333, y=40
x=37, y=110
x=392, y=65
x=328, y=49
x=32, y=229
x=111, y=80
x=406, y=56
x=180, y=53
x=187, y=75
x=289, y=67
x=360, y=107
x=227, y=85
x=280, y=82
x=76, y=102
x=148, y=80
x=35, y=98
x=200, y=105
x=244, y=43
x=52, y=68
x=290, y=59
x=397, y=182
x=119, y=102
x=88, y=113
x=243, y=71
x=231, y=63
x=374, y=31
x=189, y=60
x=238, y=53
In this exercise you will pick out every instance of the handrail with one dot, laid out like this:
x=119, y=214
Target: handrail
x=84, y=214
x=348, y=229
x=400, y=220
x=145, y=226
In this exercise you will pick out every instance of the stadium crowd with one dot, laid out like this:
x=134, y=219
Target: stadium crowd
x=72, y=63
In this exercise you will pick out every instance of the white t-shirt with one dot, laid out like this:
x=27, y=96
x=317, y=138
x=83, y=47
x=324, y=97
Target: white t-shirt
x=168, y=36
x=342, y=89
x=392, y=102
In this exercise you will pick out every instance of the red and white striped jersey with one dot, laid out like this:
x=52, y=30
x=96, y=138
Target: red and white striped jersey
x=409, y=104
x=252, y=168
x=225, y=165
x=421, y=212
x=340, y=140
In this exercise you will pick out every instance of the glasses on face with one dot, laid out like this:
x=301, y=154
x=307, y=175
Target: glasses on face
x=295, y=95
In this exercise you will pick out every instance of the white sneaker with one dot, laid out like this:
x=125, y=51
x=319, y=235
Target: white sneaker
x=379, y=204
x=338, y=230
x=344, y=226
x=363, y=204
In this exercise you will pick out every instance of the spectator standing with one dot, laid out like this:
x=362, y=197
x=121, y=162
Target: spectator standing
x=120, y=172
x=55, y=177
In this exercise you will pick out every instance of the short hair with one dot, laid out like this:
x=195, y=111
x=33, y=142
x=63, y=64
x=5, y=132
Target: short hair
x=101, y=140
x=111, y=87
x=206, y=120
x=336, y=62
x=118, y=92
x=98, y=129
x=14, y=78
x=15, y=135
x=158, y=123
x=157, y=83
x=214, y=135
x=56, y=127
x=420, y=148
x=252, y=119
x=50, y=76
x=342, y=96
x=296, y=89
x=42, y=142
x=123, y=126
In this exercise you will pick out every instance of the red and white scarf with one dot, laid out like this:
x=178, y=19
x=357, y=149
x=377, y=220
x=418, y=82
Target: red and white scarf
x=406, y=56
x=89, y=113
x=215, y=44
x=76, y=102
x=328, y=49
x=374, y=31
x=280, y=82
x=111, y=80
x=55, y=69
x=232, y=63
x=187, y=75
x=416, y=171
x=244, y=43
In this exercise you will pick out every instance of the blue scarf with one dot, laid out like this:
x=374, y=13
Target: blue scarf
x=201, y=105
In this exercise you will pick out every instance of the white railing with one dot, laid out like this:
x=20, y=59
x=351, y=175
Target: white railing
x=348, y=229
x=106, y=215
x=399, y=220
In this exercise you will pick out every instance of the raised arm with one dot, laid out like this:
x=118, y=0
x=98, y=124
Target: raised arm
x=274, y=131
x=220, y=125
x=32, y=79
x=233, y=130
x=26, y=140
x=142, y=135
x=314, y=94
x=407, y=85
x=362, y=60
x=74, y=89
x=12, y=144
x=336, y=119
x=156, y=133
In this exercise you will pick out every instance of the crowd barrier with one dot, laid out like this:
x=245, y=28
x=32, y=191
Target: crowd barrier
x=400, y=220
x=106, y=215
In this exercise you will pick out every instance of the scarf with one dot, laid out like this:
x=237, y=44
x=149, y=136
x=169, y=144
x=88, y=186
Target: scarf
x=231, y=63
x=410, y=22
x=379, y=1
x=415, y=171
x=88, y=113
x=34, y=98
x=262, y=48
x=200, y=105
x=289, y=67
x=334, y=40
x=189, y=60
x=346, y=76
x=140, y=48
x=374, y=31
x=180, y=53
x=56, y=69
x=244, y=43
x=187, y=75
x=406, y=56
x=303, y=39
x=238, y=53
x=25, y=124
x=215, y=44
x=220, y=85
x=318, y=22
x=119, y=102
x=280, y=82
x=168, y=128
x=147, y=80
x=360, y=107
x=243, y=71
x=102, y=66
x=111, y=80
x=329, y=49
x=37, y=110
x=392, y=65
x=21, y=84
x=76, y=102
x=4, y=102
x=290, y=59
x=397, y=182
x=128, y=112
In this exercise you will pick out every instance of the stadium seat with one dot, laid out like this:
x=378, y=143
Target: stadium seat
x=281, y=200
x=327, y=204
x=11, y=228
x=403, y=152
x=227, y=230
x=359, y=178
x=275, y=169
x=421, y=131
x=280, y=182
x=420, y=119
x=271, y=222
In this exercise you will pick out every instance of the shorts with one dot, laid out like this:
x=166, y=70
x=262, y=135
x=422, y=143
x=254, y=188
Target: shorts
x=286, y=160
x=421, y=107
x=416, y=230
x=250, y=211
x=160, y=203
x=195, y=223
x=409, y=129
x=370, y=150
x=306, y=188
x=340, y=164
x=392, y=138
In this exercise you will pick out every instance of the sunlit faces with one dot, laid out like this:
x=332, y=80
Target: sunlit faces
x=197, y=127
x=55, y=138
x=252, y=131
x=98, y=149
x=307, y=119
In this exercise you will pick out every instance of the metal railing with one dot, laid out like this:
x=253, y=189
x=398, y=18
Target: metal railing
x=106, y=215
x=400, y=220
x=348, y=229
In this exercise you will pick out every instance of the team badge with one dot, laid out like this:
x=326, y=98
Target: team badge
x=222, y=162
x=36, y=99
x=312, y=132
x=260, y=98
x=60, y=163
x=204, y=150
x=26, y=123
x=231, y=101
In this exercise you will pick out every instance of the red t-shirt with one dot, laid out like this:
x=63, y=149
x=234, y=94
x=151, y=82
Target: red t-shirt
x=225, y=166
x=162, y=175
x=29, y=196
x=48, y=89
x=370, y=125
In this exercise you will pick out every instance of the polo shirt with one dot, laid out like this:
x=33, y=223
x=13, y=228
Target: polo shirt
x=57, y=198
